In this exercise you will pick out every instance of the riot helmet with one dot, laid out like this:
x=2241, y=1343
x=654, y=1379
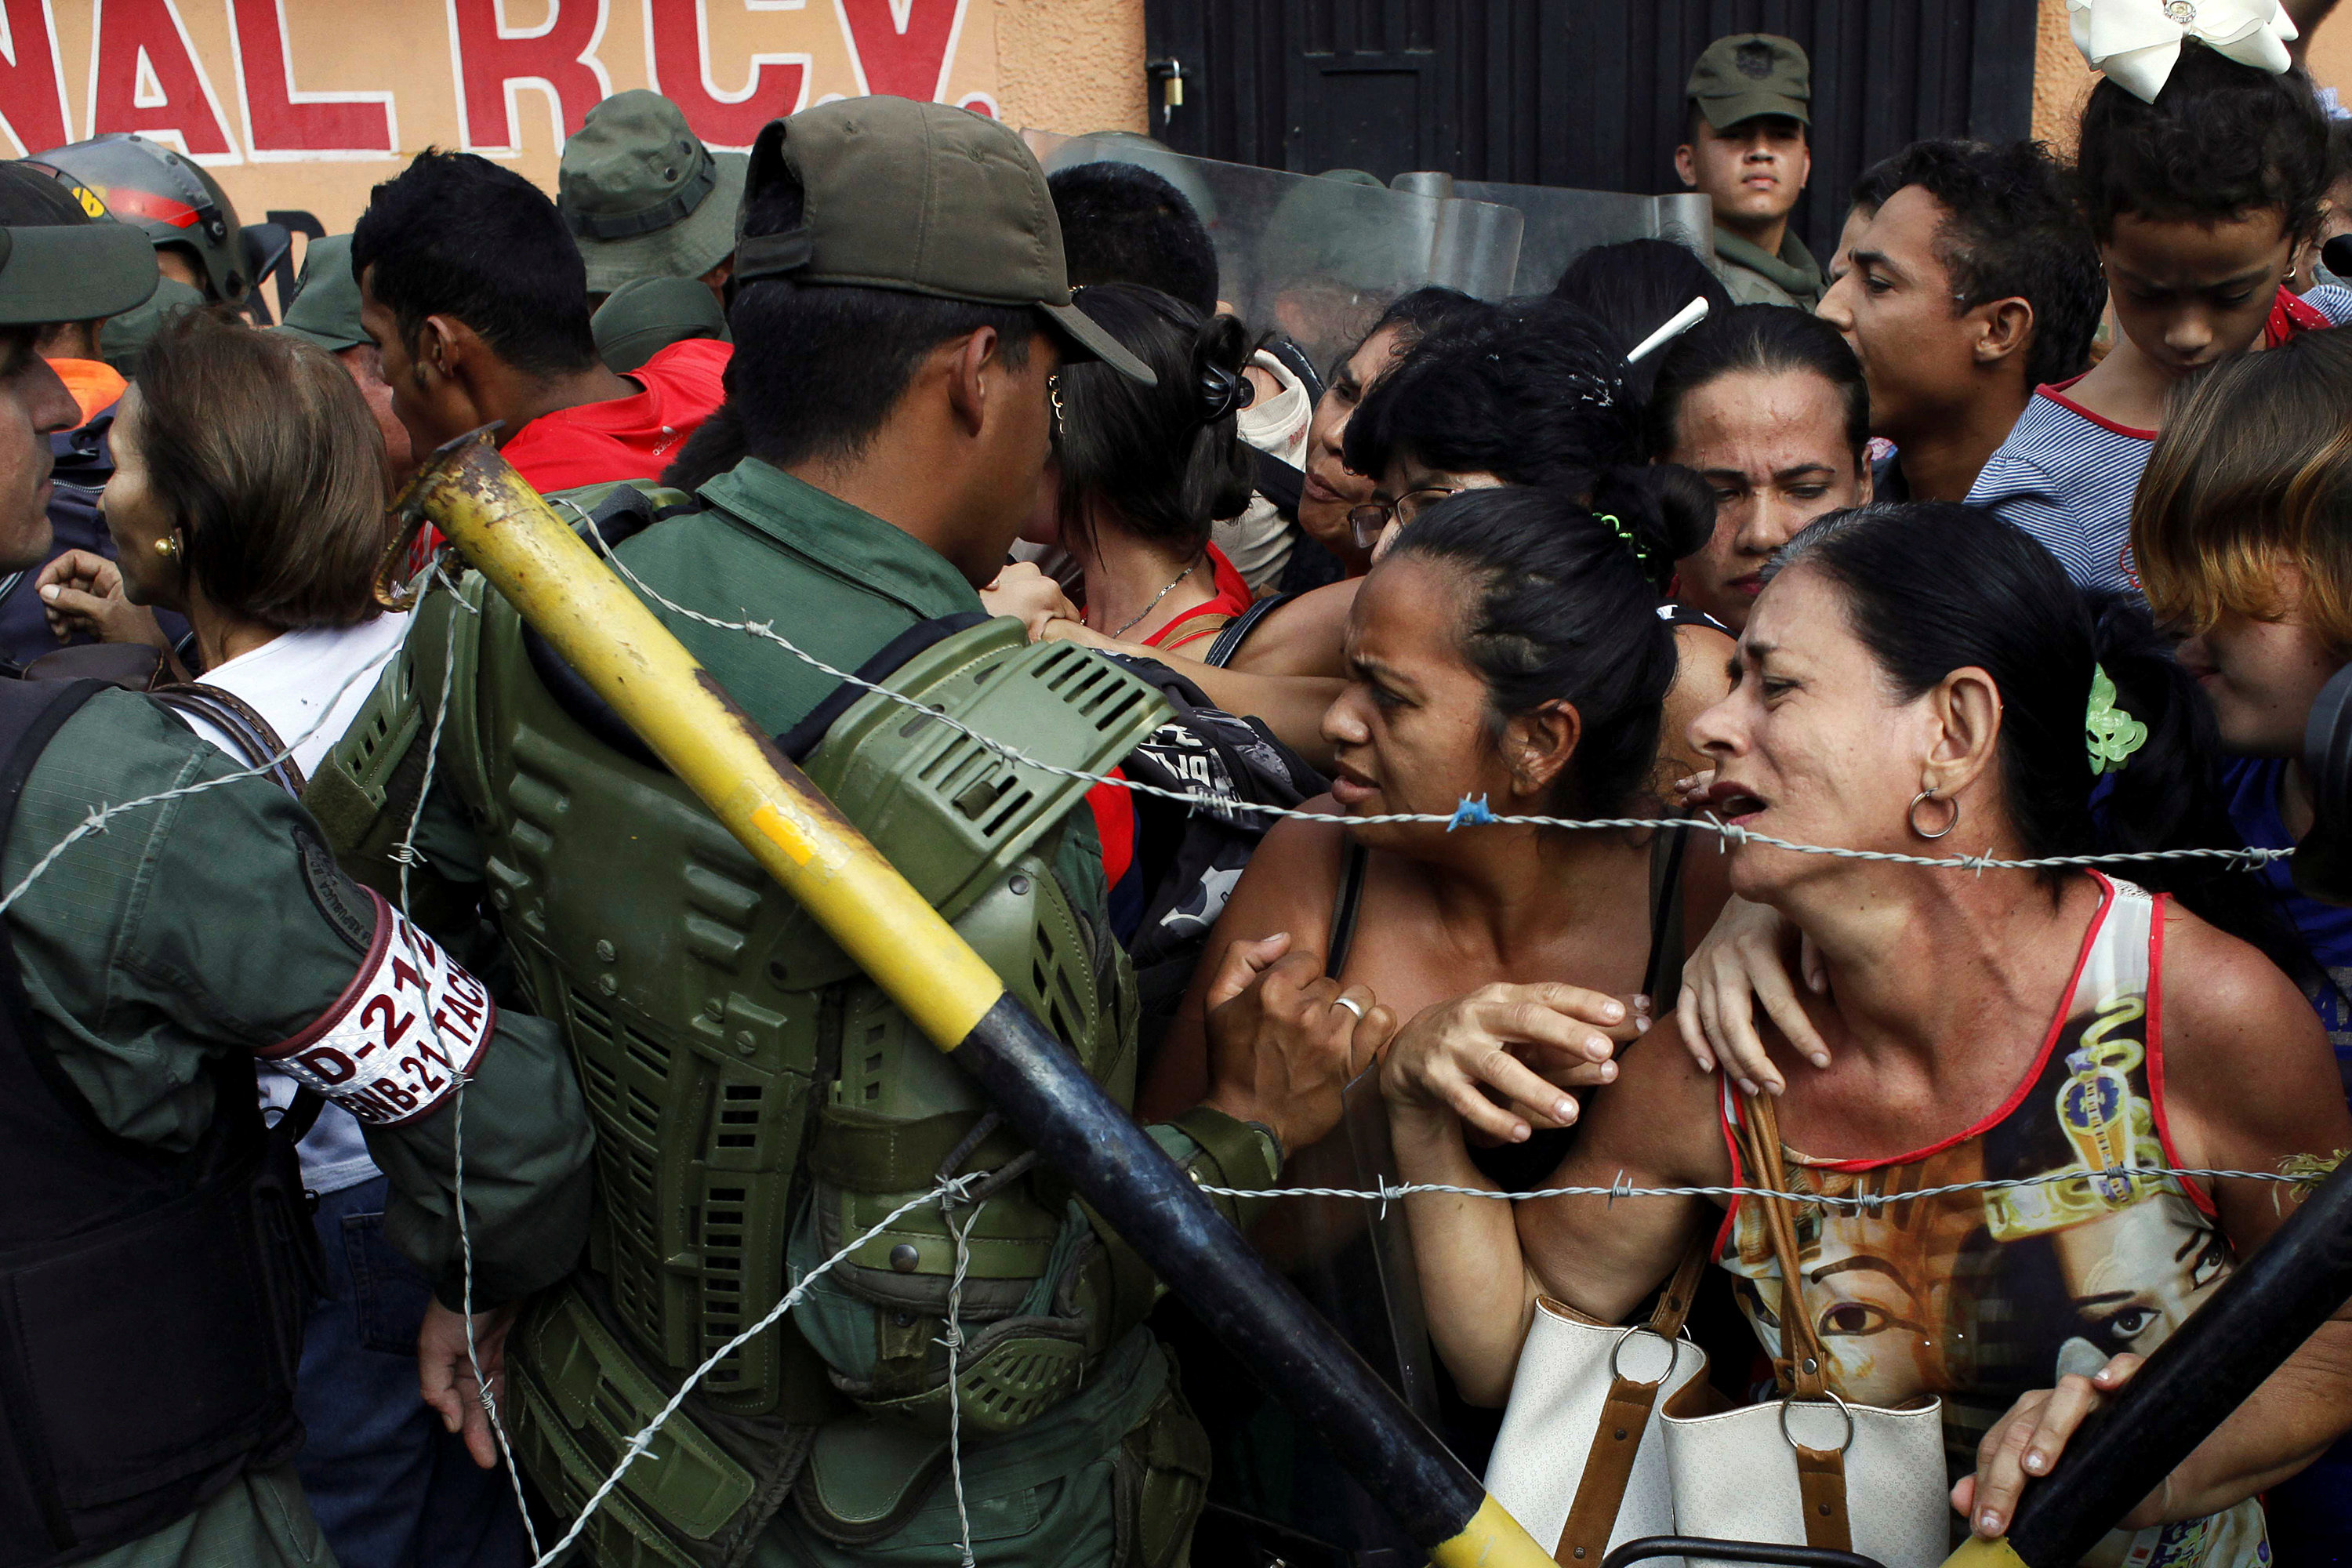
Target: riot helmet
x=171, y=199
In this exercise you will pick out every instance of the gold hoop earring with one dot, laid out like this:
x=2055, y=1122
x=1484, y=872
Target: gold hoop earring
x=1912, y=815
x=167, y=547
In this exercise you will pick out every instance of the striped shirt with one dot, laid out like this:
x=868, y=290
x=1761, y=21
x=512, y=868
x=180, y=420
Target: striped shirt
x=2067, y=475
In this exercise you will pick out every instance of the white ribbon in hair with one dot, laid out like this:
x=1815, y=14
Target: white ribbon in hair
x=2137, y=42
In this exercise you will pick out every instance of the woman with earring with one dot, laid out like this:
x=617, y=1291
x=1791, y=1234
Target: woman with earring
x=2041, y=1029
x=249, y=495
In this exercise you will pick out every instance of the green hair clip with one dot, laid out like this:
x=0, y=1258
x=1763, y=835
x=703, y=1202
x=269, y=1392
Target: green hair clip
x=2112, y=733
x=1625, y=533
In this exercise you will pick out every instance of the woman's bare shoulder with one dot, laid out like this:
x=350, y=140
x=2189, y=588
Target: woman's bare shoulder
x=1291, y=878
x=1302, y=635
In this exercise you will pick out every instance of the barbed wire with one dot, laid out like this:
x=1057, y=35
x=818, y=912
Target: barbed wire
x=1470, y=813
x=1866, y=1203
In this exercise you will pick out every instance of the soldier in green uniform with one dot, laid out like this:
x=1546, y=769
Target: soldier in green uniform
x=901, y=308
x=151, y=1250
x=1749, y=106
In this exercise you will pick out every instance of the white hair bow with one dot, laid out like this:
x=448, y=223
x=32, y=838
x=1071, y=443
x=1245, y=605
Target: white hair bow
x=2137, y=42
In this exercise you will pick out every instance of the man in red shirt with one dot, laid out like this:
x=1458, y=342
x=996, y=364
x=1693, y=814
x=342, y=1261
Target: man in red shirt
x=474, y=290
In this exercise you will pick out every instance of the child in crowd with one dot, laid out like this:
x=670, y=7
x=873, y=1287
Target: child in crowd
x=2199, y=197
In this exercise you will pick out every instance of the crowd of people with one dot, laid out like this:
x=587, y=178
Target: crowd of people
x=2023, y=530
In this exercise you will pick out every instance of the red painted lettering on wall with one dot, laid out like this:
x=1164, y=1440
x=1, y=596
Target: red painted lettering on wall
x=32, y=87
x=145, y=77
x=901, y=47
x=678, y=36
x=496, y=62
x=283, y=122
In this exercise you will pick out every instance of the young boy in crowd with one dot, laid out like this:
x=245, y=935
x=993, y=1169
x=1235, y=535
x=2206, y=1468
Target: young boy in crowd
x=1748, y=100
x=2199, y=194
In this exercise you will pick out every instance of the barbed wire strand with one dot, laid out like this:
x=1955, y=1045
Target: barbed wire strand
x=1469, y=814
x=1868, y=1203
x=953, y=1188
x=954, y=1342
x=405, y=854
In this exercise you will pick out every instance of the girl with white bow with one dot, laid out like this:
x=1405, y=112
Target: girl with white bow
x=2201, y=169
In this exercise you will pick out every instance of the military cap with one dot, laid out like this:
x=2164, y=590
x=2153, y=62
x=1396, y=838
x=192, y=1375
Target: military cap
x=644, y=198
x=646, y=315
x=125, y=337
x=923, y=198
x=326, y=308
x=1749, y=74
x=72, y=272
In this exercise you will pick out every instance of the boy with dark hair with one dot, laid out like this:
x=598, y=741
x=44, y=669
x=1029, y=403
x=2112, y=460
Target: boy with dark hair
x=1123, y=223
x=1750, y=96
x=1974, y=283
x=473, y=288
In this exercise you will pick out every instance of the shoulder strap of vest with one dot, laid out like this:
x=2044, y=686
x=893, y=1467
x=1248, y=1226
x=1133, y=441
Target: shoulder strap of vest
x=593, y=714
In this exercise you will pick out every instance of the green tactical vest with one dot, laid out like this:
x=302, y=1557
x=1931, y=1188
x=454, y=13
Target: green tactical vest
x=756, y=1099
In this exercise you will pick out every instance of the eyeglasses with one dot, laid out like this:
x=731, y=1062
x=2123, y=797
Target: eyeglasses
x=1369, y=521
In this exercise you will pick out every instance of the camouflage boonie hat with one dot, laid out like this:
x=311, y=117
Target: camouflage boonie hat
x=644, y=198
x=647, y=315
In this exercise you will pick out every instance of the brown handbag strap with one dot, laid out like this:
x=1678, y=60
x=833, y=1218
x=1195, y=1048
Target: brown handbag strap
x=1802, y=1371
x=1624, y=1415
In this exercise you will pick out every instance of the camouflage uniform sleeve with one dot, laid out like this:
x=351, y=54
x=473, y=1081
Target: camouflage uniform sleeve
x=218, y=921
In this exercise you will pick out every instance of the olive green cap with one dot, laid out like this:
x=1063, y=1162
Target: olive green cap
x=1748, y=74
x=326, y=308
x=72, y=272
x=644, y=198
x=646, y=315
x=924, y=198
x=125, y=337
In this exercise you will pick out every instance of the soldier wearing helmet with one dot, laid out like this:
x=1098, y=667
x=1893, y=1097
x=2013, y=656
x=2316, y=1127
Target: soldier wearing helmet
x=182, y=210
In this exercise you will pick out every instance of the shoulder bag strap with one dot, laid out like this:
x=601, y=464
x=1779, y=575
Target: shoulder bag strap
x=1802, y=1371
x=1624, y=1417
x=1229, y=635
x=257, y=741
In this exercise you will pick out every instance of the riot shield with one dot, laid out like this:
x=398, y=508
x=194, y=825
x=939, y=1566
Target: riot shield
x=1563, y=223
x=1316, y=259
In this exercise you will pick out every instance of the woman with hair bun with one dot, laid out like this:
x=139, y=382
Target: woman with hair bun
x=2006, y=1026
x=1139, y=473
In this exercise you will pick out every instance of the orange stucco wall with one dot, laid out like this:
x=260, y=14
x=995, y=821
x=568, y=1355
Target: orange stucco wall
x=2060, y=80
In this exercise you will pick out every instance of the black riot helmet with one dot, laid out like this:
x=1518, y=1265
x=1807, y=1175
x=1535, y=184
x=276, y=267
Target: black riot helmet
x=176, y=203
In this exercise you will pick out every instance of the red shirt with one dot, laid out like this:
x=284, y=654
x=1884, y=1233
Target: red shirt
x=628, y=438
x=1231, y=598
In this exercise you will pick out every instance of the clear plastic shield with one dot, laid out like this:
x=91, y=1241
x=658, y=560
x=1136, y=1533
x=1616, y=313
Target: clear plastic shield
x=1563, y=223
x=1317, y=258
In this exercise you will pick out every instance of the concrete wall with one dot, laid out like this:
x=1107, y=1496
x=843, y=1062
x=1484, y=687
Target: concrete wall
x=1071, y=65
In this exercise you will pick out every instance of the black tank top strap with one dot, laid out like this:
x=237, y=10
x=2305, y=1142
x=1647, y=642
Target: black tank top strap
x=1346, y=906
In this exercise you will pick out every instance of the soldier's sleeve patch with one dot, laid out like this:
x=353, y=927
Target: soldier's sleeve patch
x=407, y=1030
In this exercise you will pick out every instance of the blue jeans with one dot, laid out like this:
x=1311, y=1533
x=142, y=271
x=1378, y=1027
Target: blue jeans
x=389, y=1487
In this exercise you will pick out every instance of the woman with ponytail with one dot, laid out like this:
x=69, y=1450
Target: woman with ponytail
x=1141, y=472
x=2036, y=1027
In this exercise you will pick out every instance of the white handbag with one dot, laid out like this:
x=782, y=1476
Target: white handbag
x=1605, y=1441
x=1576, y=1376
x=1783, y=1472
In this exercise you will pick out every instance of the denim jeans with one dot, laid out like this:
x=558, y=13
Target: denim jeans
x=389, y=1487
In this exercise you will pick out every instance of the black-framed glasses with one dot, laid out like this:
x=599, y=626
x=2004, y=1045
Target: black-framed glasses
x=1369, y=521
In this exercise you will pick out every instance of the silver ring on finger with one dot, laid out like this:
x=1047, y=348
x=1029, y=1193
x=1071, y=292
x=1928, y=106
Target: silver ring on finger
x=1351, y=1005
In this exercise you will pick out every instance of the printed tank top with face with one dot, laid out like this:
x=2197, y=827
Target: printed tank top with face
x=1977, y=1297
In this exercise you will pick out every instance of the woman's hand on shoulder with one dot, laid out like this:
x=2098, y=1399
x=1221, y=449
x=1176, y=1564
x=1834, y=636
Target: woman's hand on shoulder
x=1743, y=961
x=1500, y=1058
x=82, y=595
